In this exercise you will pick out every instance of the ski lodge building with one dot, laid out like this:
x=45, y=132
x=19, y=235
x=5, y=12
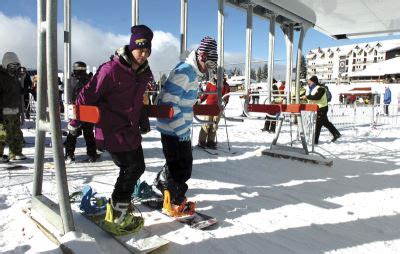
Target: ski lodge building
x=375, y=62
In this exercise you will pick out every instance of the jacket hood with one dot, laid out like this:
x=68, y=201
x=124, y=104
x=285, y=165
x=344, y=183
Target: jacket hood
x=192, y=60
x=125, y=58
x=3, y=70
x=9, y=57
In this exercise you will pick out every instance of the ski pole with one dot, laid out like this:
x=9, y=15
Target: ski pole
x=226, y=129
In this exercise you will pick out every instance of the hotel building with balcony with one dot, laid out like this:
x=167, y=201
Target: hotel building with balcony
x=377, y=61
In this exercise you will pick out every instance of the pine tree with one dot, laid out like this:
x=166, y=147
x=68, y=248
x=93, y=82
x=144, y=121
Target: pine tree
x=303, y=67
x=264, y=72
x=253, y=74
x=238, y=72
x=259, y=75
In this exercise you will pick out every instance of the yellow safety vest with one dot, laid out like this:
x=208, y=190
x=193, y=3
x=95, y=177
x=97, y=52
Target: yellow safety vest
x=302, y=91
x=323, y=102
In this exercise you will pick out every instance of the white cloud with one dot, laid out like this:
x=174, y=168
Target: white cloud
x=164, y=53
x=93, y=46
x=89, y=44
x=18, y=34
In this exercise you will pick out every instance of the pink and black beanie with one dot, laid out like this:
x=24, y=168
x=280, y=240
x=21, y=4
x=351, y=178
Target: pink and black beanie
x=209, y=45
x=141, y=37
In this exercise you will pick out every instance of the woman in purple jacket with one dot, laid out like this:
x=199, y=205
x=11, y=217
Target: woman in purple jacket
x=117, y=89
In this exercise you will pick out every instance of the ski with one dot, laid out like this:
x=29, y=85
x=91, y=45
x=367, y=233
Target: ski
x=206, y=150
x=94, y=209
x=143, y=241
x=198, y=220
x=210, y=152
x=11, y=166
x=224, y=151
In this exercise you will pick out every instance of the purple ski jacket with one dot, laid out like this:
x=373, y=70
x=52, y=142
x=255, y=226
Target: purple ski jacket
x=118, y=92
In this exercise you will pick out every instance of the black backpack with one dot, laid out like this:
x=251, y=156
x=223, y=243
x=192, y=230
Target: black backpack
x=328, y=94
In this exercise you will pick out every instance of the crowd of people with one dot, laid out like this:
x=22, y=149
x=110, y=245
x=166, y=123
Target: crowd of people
x=120, y=88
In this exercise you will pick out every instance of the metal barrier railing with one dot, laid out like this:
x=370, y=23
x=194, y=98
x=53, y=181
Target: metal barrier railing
x=350, y=115
x=341, y=115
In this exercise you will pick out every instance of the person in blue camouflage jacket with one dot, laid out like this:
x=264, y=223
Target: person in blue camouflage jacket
x=180, y=92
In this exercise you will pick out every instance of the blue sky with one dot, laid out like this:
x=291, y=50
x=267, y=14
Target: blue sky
x=164, y=15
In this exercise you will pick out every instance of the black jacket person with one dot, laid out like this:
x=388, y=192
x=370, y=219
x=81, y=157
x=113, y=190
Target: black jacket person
x=317, y=95
x=10, y=102
x=81, y=78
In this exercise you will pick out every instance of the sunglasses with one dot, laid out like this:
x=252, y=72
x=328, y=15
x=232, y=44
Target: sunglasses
x=211, y=65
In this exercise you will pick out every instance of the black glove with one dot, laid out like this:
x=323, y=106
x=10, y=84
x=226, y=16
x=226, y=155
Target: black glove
x=144, y=123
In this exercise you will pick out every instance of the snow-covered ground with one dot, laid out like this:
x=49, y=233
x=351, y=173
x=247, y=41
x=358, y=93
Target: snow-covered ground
x=263, y=204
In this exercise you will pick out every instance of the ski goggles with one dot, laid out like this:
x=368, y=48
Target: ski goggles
x=211, y=65
x=13, y=68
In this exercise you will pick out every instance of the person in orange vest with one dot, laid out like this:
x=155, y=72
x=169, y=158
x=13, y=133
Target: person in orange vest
x=208, y=132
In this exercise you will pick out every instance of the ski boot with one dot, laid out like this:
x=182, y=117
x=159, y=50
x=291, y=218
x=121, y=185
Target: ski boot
x=93, y=158
x=202, y=145
x=17, y=157
x=120, y=219
x=4, y=159
x=143, y=191
x=146, y=195
x=69, y=159
x=212, y=145
x=185, y=209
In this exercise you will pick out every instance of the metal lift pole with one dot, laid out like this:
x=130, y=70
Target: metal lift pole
x=300, y=126
x=249, y=37
x=135, y=12
x=288, y=31
x=184, y=8
x=41, y=101
x=303, y=31
x=67, y=56
x=54, y=113
x=59, y=215
x=271, y=56
x=220, y=49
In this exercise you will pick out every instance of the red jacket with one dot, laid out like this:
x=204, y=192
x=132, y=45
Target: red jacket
x=212, y=99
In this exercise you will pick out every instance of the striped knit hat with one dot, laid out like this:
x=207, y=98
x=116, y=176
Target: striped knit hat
x=209, y=45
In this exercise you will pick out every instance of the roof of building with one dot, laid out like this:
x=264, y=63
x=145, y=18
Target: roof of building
x=380, y=46
x=339, y=19
x=390, y=66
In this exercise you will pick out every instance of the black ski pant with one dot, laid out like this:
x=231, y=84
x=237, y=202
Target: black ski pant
x=322, y=120
x=70, y=143
x=270, y=124
x=179, y=161
x=386, y=107
x=131, y=167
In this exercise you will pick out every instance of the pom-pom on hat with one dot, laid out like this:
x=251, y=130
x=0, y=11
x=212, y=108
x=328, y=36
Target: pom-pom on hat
x=141, y=37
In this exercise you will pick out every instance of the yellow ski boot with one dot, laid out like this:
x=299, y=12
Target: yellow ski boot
x=184, y=210
x=120, y=219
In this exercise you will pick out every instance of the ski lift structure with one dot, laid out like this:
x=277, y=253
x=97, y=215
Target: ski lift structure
x=292, y=16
